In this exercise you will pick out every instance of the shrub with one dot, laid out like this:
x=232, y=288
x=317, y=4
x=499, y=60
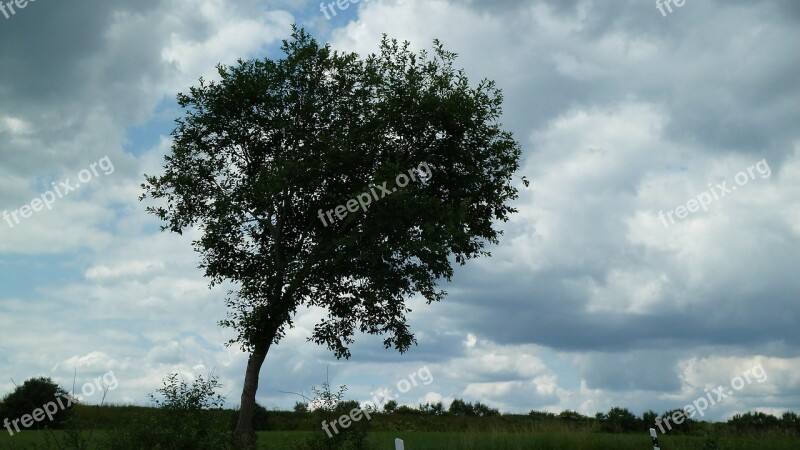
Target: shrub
x=188, y=418
x=684, y=427
x=571, y=415
x=433, y=409
x=619, y=420
x=649, y=418
x=390, y=406
x=301, y=407
x=407, y=410
x=35, y=393
x=329, y=406
x=542, y=414
x=790, y=422
x=482, y=410
x=459, y=407
x=754, y=421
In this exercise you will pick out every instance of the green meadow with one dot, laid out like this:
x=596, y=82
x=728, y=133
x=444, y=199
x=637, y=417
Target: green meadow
x=287, y=430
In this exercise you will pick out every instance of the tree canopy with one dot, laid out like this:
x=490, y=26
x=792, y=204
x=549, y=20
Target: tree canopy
x=267, y=155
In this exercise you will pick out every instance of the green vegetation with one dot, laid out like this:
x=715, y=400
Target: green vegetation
x=264, y=157
x=522, y=432
x=186, y=418
x=32, y=397
x=190, y=417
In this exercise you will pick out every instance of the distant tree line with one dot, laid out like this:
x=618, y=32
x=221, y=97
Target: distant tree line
x=620, y=420
x=193, y=412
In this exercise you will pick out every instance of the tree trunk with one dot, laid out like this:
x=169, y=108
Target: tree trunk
x=244, y=434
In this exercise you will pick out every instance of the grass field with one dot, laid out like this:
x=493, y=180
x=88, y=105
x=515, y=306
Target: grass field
x=480, y=440
x=282, y=429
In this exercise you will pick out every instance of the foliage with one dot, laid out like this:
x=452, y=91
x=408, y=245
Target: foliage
x=790, y=421
x=390, y=406
x=407, y=410
x=433, y=409
x=755, y=422
x=459, y=407
x=482, y=410
x=261, y=152
x=571, y=415
x=619, y=420
x=187, y=418
x=686, y=426
x=300, y=407
x=35, y=393
x=261, y=155
x=543, y=414
x=649, y=418
x=328, y=408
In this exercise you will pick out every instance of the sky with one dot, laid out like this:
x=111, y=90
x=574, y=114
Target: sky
x=654, y=258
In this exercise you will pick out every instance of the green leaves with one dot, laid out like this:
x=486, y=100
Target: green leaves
x=260, y=152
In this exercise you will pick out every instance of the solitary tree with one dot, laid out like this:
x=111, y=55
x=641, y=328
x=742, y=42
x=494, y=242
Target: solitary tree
x=323, y=179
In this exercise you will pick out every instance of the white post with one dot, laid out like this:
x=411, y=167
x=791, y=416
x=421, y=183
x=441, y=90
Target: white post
x=398, y=444
x=655, y=439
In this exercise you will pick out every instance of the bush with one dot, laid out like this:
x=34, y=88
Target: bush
x=301, y=407
x=482, y=410
x=649, y=418
x=406, y=410
x=390, y=406
x=542, y=414
x=329, y=407
x=790, y=422
x=669, y=423
x=459, y=407
x=620, y=420
x=754, y=422
x=433, y=409
x=34, y=394
x=571, y=415
x=187, y=418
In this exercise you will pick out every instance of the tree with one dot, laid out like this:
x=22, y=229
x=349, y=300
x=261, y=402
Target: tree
x=262, y=158
x=434, y=409
x=390, y=406
x=34, y=394
x=790, y=421
x=406, y=410
x=482, y=410
x=571, y=415
x=649, y=418
x=754, y=421
x=459, y=407
x=301, y=407
x=542, y=414
x=668, y=418
x=619, y=420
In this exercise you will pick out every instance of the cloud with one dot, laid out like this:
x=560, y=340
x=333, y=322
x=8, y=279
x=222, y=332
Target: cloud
x=588, y=302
